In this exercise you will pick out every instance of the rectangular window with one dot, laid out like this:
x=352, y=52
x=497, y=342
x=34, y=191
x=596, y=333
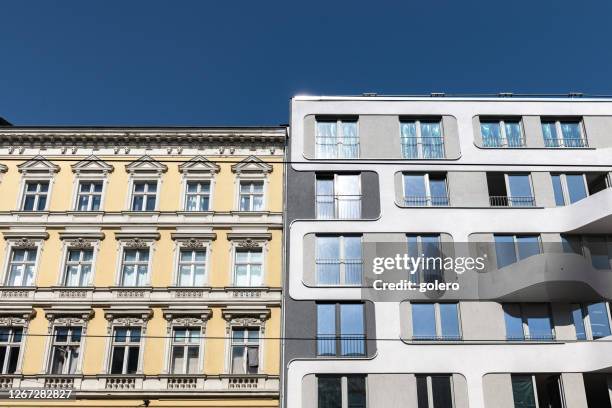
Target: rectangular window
x=245, y=350
x=421, y=139
x=599, y=247
x=125, y=350
x=135, y=267
x=435, y=321
x=89, y=196
x=248, y=267
x=530, y=321
x=338, y=196
x=341, y=391
x=502, y=133
x=563, y=133
x=35, y=196
x=425, y=246
x=510, y=190
x=10, y=346
x=192, y=267
x=78, y=267
x=578, y=319
x=340, y=329
x=185, y=350
x=197, y=196
x=65, y=350
x=523, y=391
x=21, y=267
x=337, y=139
x=425, y=189
x=339, y=260
x=144, y=195
x=591, y=321
x=251, y=196
x=512, y=248
x=434, y=391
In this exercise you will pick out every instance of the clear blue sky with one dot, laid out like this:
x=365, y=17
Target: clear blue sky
x=237, y=62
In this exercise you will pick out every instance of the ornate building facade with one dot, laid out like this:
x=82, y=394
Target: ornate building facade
x=142, y=266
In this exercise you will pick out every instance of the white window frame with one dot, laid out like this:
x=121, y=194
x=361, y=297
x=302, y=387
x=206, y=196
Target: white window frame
x=69, y=246
x=343, y=386
x=564, y=187
x=419, y=137
x=419, y=275
x=126, y=345
x=339, y=137
x=430, y=397
x=185, y=193
x=252, y=179
x=438, y=319
x=508, y=192
x=12, y=344
x=325, y=176
x=52, y=343
x=123, y=246
x=184, y=246
x=341, y=257
x=245, y=343
x=560, y=139
x=132, y=193
x=428, y=197
x=171, y=344
x=502, y=133
x=76, y=194
x=23, y=193
x=259, y=248
x=13, y=244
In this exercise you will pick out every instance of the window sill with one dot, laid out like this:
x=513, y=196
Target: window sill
x=196, y=213
x=140, y=213
x=84, y=213
x=34, y=213
x=249, y=213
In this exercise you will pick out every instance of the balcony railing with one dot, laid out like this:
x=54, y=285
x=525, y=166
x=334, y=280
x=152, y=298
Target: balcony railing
x=452, y=337
x=422, y=148
x=341, y=207
x=329, y=271
x=565, y=142
x=540, y=337
x=512, y=201
x=330, y=147
x=341, y=346
x=499, y=142
x=426, y=201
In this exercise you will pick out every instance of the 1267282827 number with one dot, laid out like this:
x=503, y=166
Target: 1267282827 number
x=37, y=393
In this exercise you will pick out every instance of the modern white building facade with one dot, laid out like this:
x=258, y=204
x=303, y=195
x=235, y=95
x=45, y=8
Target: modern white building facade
x=523, y=182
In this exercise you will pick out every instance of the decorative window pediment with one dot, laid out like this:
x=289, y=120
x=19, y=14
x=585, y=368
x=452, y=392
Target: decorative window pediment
x=252, y=165
x=68, y=316
x=92, y=165
x=38, y=165
x=132, y=316
x=252, y=316
x=16, y=316
x=199, y=165
x=146, y=165
x=249, y=240
x=182, y=316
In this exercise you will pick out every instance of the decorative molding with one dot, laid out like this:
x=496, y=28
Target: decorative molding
x=68, y=316
x=251, y=165
x=3, y=168
x=197, y=236
x=24, y=243
x=253, y=236
x=146, y=164
x=81, y=235
x=136, y=243
x=245, y=317
x=12, y=316
x=199, y=165
x=92, y=164
x=133, y=316
x=38, y=165
x=179, y=316
x=25, y=236
x=137, y=236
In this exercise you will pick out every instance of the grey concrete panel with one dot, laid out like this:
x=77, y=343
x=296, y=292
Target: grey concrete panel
x=498, y=391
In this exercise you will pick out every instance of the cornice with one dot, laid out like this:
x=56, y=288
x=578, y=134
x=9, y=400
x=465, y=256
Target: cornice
x=118, y=136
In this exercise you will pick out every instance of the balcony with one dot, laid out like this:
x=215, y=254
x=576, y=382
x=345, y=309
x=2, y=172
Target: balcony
x=330, y=272
x=568, y=142
x=331, y=147
x=426, y=201
x=341, y=346
x=512, y=201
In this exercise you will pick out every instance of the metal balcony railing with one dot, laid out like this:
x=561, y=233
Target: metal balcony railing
x=329, y=271
x=452, y=337
x=330, y=207
x=344, y=345
x=540, y=337
x=565, y=142
x=330, y=147
x=426, y=201
x=512, y=201
x=499, y=142
x=422, y=147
